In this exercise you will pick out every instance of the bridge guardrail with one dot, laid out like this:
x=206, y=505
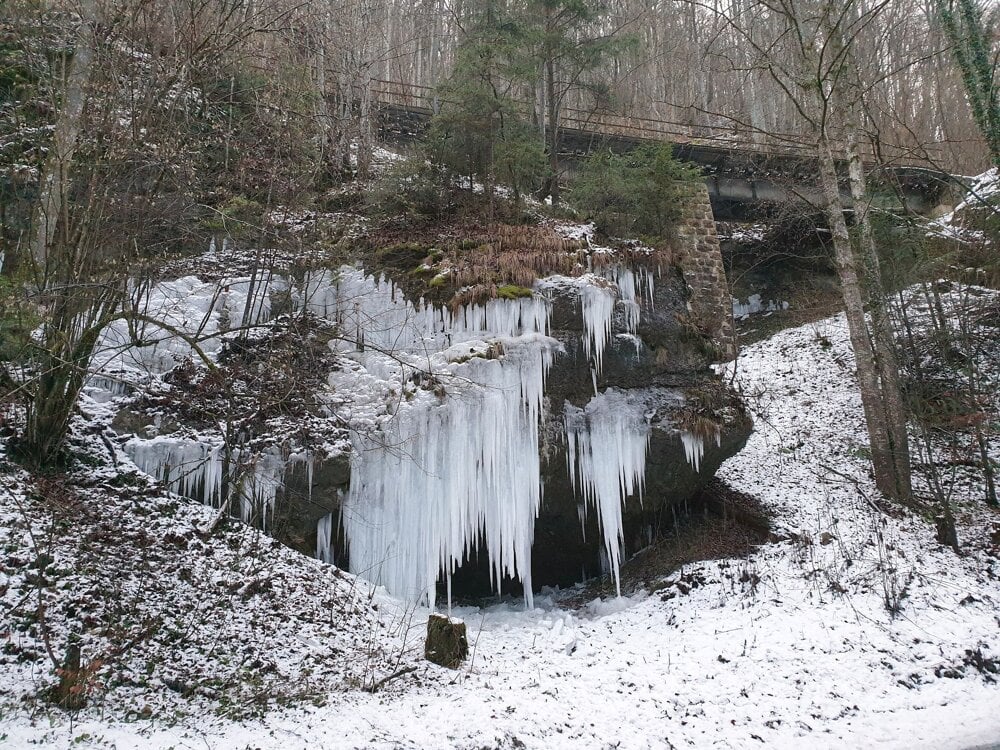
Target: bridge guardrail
x=422, y=99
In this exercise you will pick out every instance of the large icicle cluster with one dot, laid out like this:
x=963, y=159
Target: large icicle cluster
x=443, y=407
x=607, y=442
x=446, y=474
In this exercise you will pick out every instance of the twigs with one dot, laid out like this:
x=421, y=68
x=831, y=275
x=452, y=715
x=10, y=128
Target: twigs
x=376, y=686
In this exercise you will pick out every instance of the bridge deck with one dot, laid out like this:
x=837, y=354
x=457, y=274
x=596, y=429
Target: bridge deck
x=578, y=124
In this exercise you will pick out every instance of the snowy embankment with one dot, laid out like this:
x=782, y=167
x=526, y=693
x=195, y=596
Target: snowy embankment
x=792, y=646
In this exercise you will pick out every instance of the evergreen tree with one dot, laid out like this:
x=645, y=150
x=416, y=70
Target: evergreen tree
x=481, y=130
x=568, y=41
x=638, y=193
x=970, y=30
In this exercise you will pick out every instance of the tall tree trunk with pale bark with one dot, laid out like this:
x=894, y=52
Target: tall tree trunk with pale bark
x=57, y=172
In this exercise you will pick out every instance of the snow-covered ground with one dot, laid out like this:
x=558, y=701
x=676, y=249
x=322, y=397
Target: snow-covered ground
x=793, y=646
x=982, y=193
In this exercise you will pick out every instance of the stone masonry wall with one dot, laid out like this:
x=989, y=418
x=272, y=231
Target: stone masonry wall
x=701, y=264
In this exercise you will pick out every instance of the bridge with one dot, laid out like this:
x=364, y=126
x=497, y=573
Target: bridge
x=748, y=176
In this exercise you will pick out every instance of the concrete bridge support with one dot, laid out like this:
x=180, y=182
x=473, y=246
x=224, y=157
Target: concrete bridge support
x=700, y=260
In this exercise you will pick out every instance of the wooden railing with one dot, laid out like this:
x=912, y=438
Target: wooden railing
x=423, y=99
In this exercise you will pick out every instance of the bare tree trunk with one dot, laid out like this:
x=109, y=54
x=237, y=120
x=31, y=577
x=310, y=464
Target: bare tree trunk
x=883, y=338
x=69, y=123
x=864, y=355
x=553, y=130
x=324, y=120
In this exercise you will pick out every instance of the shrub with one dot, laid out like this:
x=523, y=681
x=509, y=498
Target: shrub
x=640, y=193
x=410, y=189
x=237, y=217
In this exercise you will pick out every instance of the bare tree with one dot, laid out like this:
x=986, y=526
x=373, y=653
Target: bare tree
x=807, y=52
x=124, y=172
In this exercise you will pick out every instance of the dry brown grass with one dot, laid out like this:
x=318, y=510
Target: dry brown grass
x=463, y=259
x=512, y=255
x=518, y=255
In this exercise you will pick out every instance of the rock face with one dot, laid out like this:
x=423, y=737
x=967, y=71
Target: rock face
x=452, y=452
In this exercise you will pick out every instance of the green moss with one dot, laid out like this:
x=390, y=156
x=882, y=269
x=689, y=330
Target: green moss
x=404, y=255
x=511, y=291
x=438, y=281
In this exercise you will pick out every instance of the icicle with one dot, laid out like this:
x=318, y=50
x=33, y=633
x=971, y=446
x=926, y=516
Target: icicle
x=694, y=449
x=324, y=538
x=187, y=467
x=606, y=449
x=598, y=306
x=193, y=468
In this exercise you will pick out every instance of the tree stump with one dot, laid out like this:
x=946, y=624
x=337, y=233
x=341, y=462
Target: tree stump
x=446, y=643
x=946, y=532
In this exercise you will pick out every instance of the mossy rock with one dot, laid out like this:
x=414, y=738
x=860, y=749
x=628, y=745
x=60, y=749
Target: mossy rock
x=512, y=291
x=446, y=642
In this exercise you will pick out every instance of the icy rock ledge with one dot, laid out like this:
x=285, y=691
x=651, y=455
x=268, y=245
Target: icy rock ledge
x=444, y=409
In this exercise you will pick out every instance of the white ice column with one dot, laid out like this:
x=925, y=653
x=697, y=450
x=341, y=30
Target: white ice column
x=607, y=441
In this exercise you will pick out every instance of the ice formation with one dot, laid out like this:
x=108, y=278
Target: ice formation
x=694, y=446
x=606, y=449
x=194, y=468
x=199, y=310
x=324, y=538
x=437, y=474
x=635, y=288
x=599, y=296
x=445, y=474
x=755, y=304
x=373, y=313
x=598, y=306
x=443, y=407
x=694, y=449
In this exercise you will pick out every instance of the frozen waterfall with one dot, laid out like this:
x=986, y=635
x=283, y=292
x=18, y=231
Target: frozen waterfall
x=443, y=408
x=446, y=474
